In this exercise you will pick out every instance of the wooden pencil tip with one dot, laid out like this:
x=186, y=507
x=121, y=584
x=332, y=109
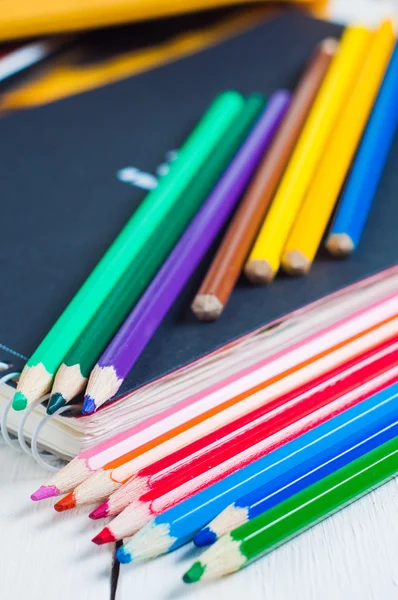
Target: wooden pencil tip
x=295, y=263
x=259, y=271
x=207, y=307
x=330, y=45
x=340, y=244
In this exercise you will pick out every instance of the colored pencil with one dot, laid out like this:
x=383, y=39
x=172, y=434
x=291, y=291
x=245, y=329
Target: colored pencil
x=367, y=169
x=278, y=369
x=104, y=482
x=128, y=344
x=241, y=451
x=38, y=374
x=228, y=262
x=213, y=448
x=265, y=497
x=309, y=227
x=142, y=435
x=178, y=525
x=72, y=375
x=264, y=259
x=297, y=514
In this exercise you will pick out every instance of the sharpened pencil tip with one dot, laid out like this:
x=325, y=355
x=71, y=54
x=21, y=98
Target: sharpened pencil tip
x=206, y=537
x=123, y=557
x=259, y=271
x=100, y=512
x=194, y=574
x=45, y=491
x=88, y=406
x=104, y=537
x=20, y=401
x=66, y=503
x=56, y=401
x=295, y=263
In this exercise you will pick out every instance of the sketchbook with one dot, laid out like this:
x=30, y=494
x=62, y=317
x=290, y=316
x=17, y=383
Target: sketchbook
x=73, y=172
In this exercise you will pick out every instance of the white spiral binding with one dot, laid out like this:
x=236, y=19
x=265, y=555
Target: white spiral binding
x=19, y=443
x=4, y=431
x=26, y=414
x=35, y=452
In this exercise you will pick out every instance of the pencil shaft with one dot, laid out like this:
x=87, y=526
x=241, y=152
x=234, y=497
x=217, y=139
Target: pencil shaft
x=139, y=327
x=285, y=419
x=87, y=349
x=185, y=519
x=206, y=451
x=375, y=431
x=276, y=377
x=318, y=501
x=228, y=262
x=240, y=452
x=298, y=513
x=182, y=411
x=310, y=225
x=299, y=172
x=369, y=163
x=132, y=239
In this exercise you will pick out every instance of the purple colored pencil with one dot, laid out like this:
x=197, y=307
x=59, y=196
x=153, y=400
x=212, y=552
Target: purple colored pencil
x=139, y=327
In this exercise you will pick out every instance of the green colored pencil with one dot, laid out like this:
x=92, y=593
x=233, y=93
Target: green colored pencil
x=296, y=514
x=72, y=375
x=38, y=374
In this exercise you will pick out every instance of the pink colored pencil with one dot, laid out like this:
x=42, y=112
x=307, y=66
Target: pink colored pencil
x=98, y=457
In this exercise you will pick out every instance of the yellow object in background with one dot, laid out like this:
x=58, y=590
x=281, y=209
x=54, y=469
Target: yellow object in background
x=23, y=18
x=264, y=259
x=69, y=74
x=315, y=213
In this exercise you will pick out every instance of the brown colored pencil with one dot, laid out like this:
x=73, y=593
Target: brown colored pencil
x=228, y=262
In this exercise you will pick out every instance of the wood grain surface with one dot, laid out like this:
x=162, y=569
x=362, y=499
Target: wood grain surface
x=45, y=555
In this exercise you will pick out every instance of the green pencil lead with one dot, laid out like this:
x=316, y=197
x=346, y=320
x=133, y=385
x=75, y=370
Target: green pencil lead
x=56, y=402
x=20, y=401
x=194, y=574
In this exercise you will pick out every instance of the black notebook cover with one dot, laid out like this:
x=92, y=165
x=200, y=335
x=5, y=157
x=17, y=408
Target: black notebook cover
x=62, y=203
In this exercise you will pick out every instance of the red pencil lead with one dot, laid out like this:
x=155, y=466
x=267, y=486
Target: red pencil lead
x=66, y=503
x=104, y=537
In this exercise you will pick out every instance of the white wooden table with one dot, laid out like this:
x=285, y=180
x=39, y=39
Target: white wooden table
x=49, y=556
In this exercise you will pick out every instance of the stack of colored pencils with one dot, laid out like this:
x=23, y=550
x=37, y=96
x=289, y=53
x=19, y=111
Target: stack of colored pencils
x=260, y=457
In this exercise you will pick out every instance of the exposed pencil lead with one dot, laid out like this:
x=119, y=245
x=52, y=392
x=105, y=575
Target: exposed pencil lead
x=56, y=401
x=88, y=406
x=100, y=512
x=194, y=574
x=104, y=537
x=45, y=491
x=66, y=503
x=206, y=537
x=123, y=556
x=20, y=401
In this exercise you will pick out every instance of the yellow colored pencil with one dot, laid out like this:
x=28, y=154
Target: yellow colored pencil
x=324, y=190
x=264, y=260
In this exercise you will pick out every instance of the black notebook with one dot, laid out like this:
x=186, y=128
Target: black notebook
x=67, y=188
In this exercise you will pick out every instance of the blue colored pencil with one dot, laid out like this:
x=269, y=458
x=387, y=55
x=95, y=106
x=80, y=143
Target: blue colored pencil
x=367, y=169
x=180, y=524
x=266, y=496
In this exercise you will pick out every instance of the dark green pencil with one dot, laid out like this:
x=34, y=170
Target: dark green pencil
x=72, y=375
x=295, y=515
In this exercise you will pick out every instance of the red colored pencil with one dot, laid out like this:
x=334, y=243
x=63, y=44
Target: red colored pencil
x=321, y=404
x=165, y=469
